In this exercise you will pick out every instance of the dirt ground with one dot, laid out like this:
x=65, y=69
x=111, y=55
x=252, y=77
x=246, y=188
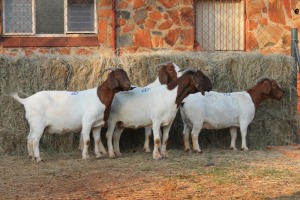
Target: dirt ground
x=215, y=174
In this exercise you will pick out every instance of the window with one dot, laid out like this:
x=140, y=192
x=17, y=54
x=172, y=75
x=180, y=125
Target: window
x=220, y=25
x=33, y=17
x=80, y=16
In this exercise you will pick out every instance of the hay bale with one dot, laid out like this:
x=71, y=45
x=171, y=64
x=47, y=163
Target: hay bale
x=274, y=124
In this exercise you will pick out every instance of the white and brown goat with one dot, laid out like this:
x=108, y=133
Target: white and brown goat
x=225, y=110
x=64, y=111
x=154, y=107
x=167, y=72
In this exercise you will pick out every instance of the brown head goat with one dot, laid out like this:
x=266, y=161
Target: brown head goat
x=225, y=110
x=167, y=72
x=63, y=111
x=155, y=107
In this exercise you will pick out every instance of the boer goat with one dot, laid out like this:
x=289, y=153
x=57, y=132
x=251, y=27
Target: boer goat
x=156, y=107
x=225, y=110
x=167, y=73
x=63, y=111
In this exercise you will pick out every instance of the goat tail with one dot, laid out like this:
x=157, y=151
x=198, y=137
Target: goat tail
x=17, y=98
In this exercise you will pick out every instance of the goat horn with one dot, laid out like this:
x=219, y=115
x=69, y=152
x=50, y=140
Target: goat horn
x=184, y=70
x=162, y=64
x=110, y=68
x=259, y=79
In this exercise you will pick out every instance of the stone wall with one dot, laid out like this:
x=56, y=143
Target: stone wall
x=150, y=25
x=155, y=24
x=269, y=23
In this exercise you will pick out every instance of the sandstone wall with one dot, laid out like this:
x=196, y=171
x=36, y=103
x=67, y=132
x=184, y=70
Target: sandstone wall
x=155, y=24
x=149, y=25
x=269, y=23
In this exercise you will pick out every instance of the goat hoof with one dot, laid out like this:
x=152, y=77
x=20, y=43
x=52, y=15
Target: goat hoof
x=198, y=152
x=165, y=156
x=119, y=155
x=37, y=159
x=245, y=149
x=147, y=150
x=85, y=158
x=233, y=148
x=98, y=156
x=157, y=157
x=188, y=151
x=104, y=152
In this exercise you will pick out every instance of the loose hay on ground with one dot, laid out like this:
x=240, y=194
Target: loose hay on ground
x=274, y=123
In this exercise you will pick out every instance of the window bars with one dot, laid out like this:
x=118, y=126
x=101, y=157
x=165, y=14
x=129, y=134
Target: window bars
x=31, y=17
x=220, y=25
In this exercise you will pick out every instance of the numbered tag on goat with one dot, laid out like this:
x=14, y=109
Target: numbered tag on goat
x=226, y=94
x=145, y=89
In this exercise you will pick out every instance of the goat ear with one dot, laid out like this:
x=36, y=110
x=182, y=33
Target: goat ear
x=266, y=87
x=163, y=79
x=195, y=81
x=112, y=82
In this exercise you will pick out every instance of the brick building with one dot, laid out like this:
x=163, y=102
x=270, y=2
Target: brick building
x=83, y=26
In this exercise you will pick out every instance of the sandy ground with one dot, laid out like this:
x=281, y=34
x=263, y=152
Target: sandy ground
x=215, y=174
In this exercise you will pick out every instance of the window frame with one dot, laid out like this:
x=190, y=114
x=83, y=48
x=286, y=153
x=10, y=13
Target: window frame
x=19, y=34
x=79, y=32
x=66, y=32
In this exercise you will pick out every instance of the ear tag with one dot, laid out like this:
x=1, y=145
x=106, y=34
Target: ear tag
x=74, y=93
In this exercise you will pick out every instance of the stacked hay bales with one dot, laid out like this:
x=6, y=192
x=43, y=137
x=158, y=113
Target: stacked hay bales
x=274, y=123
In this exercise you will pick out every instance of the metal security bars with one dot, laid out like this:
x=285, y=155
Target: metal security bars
x=33, y=17
x=220, y=25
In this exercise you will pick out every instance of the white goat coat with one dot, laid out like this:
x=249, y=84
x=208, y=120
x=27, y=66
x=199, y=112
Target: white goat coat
x=118, y=98
x=134, y=109
x=63, y=111
x=143, y=107
x=218, y=110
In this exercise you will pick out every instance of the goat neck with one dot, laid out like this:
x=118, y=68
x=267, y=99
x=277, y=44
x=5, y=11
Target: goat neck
x=106, y=96
x=256, y=95
x=184, y=88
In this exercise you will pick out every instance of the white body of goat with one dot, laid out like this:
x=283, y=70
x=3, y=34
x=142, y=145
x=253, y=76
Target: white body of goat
x=156, y=107
x=157, y=82
x=168, y=72
x=61, y=112
x=217, y=111
x=225, y=110
x=149, y=107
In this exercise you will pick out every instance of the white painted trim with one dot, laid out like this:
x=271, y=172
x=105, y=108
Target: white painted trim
x=33, y=17
x=65, y=16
